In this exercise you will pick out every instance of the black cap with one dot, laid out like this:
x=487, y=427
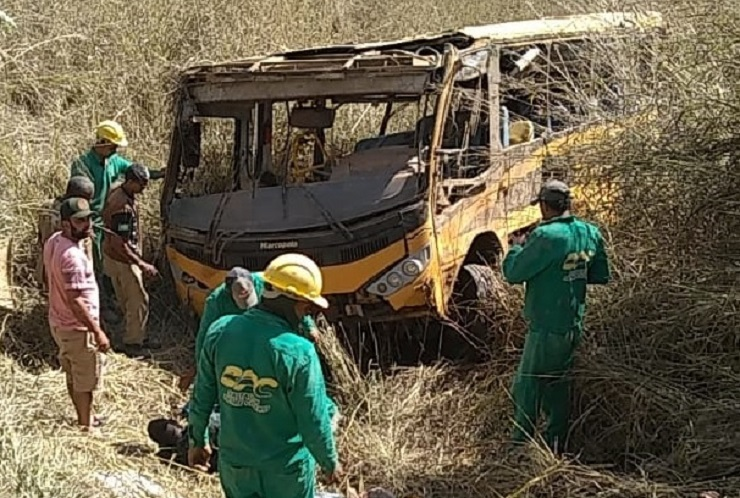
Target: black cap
x=552, y=191
x=137, y=172
x=75, y=207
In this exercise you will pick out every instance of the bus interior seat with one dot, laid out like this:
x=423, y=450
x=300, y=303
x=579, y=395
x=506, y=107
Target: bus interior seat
x=521, y=132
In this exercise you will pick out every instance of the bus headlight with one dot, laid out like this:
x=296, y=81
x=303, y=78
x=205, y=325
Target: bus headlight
x=411, y=267
x=401, y=274
x=394, y=279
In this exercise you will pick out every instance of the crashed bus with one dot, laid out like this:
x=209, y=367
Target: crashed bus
x=401, y=167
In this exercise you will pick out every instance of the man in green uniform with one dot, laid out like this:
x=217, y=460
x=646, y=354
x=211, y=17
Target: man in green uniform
x=103, y=165
x=556, y=262
x=275, y=422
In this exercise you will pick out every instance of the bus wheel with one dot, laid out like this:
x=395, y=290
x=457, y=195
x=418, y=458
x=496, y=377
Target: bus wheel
x=472, y=309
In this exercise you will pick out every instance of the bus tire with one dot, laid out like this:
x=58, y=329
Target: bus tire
x=473, y=304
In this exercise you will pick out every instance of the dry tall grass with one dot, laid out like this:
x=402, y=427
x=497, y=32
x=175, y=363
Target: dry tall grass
x=658, y=378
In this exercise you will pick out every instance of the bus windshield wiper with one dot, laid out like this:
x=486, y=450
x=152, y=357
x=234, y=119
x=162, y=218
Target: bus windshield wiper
x=333, y=222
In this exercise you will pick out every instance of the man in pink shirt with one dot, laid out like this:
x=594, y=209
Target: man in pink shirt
x=74, y=308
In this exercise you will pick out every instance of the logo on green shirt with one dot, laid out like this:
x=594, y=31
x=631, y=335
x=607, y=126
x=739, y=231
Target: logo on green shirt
x=246, y=388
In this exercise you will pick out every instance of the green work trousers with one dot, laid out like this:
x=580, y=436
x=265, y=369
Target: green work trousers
x=247, y=482
x=542, y=382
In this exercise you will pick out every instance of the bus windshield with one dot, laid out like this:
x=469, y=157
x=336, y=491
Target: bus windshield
x=299, y=165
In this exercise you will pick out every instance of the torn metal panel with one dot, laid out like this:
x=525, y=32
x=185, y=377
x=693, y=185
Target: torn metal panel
x=391, y=61
x=563, y=26
x=257, y=88
x=464, y=38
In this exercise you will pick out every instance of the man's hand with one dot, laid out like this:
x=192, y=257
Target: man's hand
x=157, y=174
x=186, y=380
x=199, y=458
x=336, y=476
x=518, y=239
x=149, y=270
x=102, y=341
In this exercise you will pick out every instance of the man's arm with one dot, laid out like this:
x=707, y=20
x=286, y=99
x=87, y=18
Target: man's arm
x=122, y=164
x=157, y=174
x=210, y=313
x=523, y=263
x=312, y=410
x=123, y=250
x=598, y=270
x=205, y=392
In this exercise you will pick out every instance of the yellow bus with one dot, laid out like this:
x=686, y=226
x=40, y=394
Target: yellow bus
x=401, y=167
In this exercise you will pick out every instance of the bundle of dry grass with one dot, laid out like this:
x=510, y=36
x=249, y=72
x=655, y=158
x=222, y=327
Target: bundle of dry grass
x=434, y=431
x=657, y=381
x=658, y=384
x=43, y=453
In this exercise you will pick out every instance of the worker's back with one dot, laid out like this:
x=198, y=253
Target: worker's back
x=272, y=396
x=570, y=255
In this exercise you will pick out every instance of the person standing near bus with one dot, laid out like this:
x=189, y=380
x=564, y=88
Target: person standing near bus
x=555, y=262
x=275, y=411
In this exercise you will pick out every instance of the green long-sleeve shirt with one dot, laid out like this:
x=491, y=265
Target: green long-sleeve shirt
x=102, y=172
x=560, y=257
x=275, y=411
x=220, y=303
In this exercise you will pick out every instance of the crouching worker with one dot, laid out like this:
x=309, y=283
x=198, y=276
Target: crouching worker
x=234, y=296
x=275, y=416
x=240, y=291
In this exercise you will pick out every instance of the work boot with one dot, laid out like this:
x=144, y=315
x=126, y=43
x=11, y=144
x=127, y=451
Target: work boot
x=168, y=435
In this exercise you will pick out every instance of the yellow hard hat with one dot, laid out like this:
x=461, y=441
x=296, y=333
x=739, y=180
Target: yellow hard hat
x=111, y=131
x=297, y=275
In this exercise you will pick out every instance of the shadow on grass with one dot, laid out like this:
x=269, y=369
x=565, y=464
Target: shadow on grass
x=25, y=336
x=174, y=326
x=133, y=449
x=26, y=339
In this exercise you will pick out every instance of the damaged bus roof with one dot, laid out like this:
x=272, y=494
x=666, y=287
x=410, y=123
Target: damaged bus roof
x=403, y=68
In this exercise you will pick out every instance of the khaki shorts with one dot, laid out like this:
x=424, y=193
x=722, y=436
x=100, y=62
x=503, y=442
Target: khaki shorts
x=80, y=359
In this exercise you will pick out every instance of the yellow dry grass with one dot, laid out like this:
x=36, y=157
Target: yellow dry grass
x=657, y=380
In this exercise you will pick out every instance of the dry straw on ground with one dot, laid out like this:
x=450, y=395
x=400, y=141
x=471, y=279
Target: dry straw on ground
x=657, y=380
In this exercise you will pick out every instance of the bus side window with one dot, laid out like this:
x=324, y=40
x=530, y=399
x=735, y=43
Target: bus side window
x=466, y=138
x=521, y=92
